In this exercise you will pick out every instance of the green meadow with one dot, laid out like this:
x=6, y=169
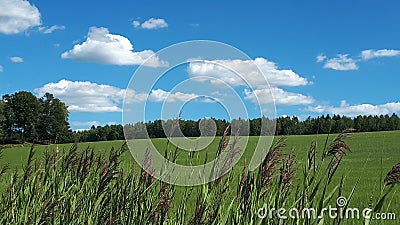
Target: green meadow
x=363, y=170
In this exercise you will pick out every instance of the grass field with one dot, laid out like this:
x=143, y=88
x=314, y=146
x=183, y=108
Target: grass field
x=373, y=155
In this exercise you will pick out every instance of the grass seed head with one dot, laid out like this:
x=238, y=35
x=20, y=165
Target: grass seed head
x=393, y=177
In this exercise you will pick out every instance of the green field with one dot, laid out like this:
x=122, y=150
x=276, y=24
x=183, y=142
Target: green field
x=373, y=155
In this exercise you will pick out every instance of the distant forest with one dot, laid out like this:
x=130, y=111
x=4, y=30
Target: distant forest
x=284, y=126
x=24, y=117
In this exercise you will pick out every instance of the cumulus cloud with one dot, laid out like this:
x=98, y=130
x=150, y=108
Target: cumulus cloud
x=160, y=95
x=85, y=124
x=49, y=30
x=344, y=62
x=131, y=96
x=321, y=58
x=224, y=70
x=341, y=62
x=85, y=96
x=280, y=96
x=103, y=47
x=136, y=23
x=151, y=24
x=217, y=71
x=16, y=59
x=370, y=53
x=359, y=109
x=88, y=124
x=16, y=16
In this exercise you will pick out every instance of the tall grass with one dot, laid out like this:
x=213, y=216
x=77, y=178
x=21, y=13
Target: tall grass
x=82, y=187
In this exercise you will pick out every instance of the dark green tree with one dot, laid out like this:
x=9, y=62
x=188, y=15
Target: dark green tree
x=25, y=114
x=54, y=125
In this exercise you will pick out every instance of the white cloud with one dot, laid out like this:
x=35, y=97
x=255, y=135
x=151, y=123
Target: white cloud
x=1, y=68
x=341, y=62
x=207, y=99
x=49, y=30
x=89, y=124
x=248, y=69
x=85, y=124
x=160, y=95
x=152, y=24
x=131, y=96
x=16, y=59
x=85, y=96
x=370, y=54
x=280, y=96
x=103, y=47
x=321, y=58
x=360, y=109
x=218, y=72
x=136, y=23
x=217, y=93
x=16, y=16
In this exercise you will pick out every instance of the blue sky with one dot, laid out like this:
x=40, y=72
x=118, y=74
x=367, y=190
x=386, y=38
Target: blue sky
x=319, y=56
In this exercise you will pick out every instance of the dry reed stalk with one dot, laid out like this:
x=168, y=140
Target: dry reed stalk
x=393, y=177
x=270, y=165
x=337, y=150
x=229, y=158
x=160, y=212
x=244, y=177
x=224, y=140
x=147, y=169
x=288, y=171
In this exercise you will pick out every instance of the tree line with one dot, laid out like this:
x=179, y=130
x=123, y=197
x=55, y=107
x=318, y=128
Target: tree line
x=284, y=126
x=25, y=117
x=335, y=124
